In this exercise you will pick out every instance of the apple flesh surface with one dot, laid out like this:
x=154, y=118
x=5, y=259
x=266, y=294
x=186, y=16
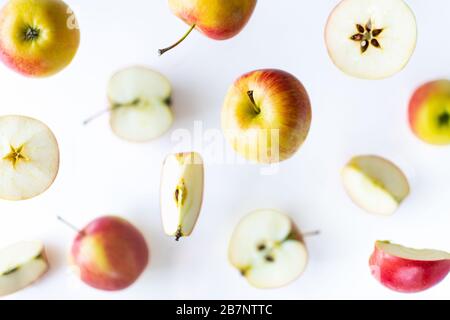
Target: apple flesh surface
x=110, y=253
x=371, y=39
x=29, y=157
x=375, y=184
x=267, y=249
x=21, y=265
x=217, y=19
x=429, y=112
x=182, y=183
x=38, y=38
x=140, y=101
x=408, y=270
x=266, y=115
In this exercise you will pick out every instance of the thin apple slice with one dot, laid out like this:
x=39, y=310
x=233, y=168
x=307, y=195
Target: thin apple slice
x=375, y=184
x=267, y=249
x=371, y=39
x=29, y=157
x=182, y=183
x=140, y=104
x=408, y=270
x=21, y=265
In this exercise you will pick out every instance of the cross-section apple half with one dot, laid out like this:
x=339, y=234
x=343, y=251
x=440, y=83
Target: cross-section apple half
x=371, y=39
x=267, y=249
x=375, y=184
x=408, y=270
x=140, y=101
x=182, y=184
x=20, y=265
x=29, y=157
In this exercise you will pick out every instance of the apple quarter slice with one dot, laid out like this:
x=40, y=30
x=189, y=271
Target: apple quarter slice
x=182, y=183
x=408, y=270
x=21, y=265
x=375, y=184
x=29, y=157
x=140, y=104
x=371, y=39
x=267, y=249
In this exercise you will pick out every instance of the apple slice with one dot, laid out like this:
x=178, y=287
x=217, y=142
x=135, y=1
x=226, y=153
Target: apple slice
x=375, y=184
x=371, y=39
x=29, y=157
x=20, y=265
x=267, y=249
x=181, y=193
x=139, y=104
x=408, y=270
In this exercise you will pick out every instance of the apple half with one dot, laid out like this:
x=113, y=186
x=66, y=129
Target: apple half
x=29, y=157
x=140, y=101
x=375, y=184
x=182, y=183
x=21, y=265
x=267, y=249
x=408, y=270
x=371, y=39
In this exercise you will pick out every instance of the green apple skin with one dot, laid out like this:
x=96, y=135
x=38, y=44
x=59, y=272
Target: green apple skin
x=110, y=253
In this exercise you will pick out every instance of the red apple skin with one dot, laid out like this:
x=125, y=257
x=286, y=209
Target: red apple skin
x=120, y=248
x=404, y=275
x=217, y=19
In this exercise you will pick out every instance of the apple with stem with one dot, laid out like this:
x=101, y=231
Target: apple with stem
x=29, y=157
x=266, y=115
x=21, y=265
x=375, y=184
x=216, y=19
x=267, y=249
x=182, y=183
x=109, y=253
x=429, y=112
x=38, y=38
x=408, y=270
x=371, y=39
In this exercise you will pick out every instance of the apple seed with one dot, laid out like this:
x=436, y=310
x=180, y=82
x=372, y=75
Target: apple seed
x=366, y=36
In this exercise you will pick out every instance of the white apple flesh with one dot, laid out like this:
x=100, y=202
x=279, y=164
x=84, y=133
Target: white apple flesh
x=29, y=157
x=182, y=183
x=140, y=104
x=21, y=265
x=267, y=249
x=375, y=184
x=371, y=39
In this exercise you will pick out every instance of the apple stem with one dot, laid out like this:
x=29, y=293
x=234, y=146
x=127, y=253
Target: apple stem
x=311, y=233
x=252, y=99
x=95, y=116
x=162, y=51
x=71, y=226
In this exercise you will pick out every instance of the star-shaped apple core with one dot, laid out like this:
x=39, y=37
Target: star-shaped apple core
x=367, y=36
x=15, y=155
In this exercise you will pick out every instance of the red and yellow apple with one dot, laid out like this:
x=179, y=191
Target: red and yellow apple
x=216, y=19
x=109, y=253
x=38, y=38
x=429, y=112
x=266, y=115
x=408, y=270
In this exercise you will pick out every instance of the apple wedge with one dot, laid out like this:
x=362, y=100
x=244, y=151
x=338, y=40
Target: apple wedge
x=267, y=249
x=182, y=183
x=20, y=265
x=375, y=184
x=29, y=158
x=408, y=270
x=140, y=101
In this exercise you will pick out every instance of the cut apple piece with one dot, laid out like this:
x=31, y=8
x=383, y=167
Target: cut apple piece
x=267, y=249
x=29, y=157
x=408, y=270
x=21, y=265
x=181, y=193
x=375, y=184
x=371, y=39
x=140, y=104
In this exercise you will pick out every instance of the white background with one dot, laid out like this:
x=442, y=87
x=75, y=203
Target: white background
x=101, y=174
